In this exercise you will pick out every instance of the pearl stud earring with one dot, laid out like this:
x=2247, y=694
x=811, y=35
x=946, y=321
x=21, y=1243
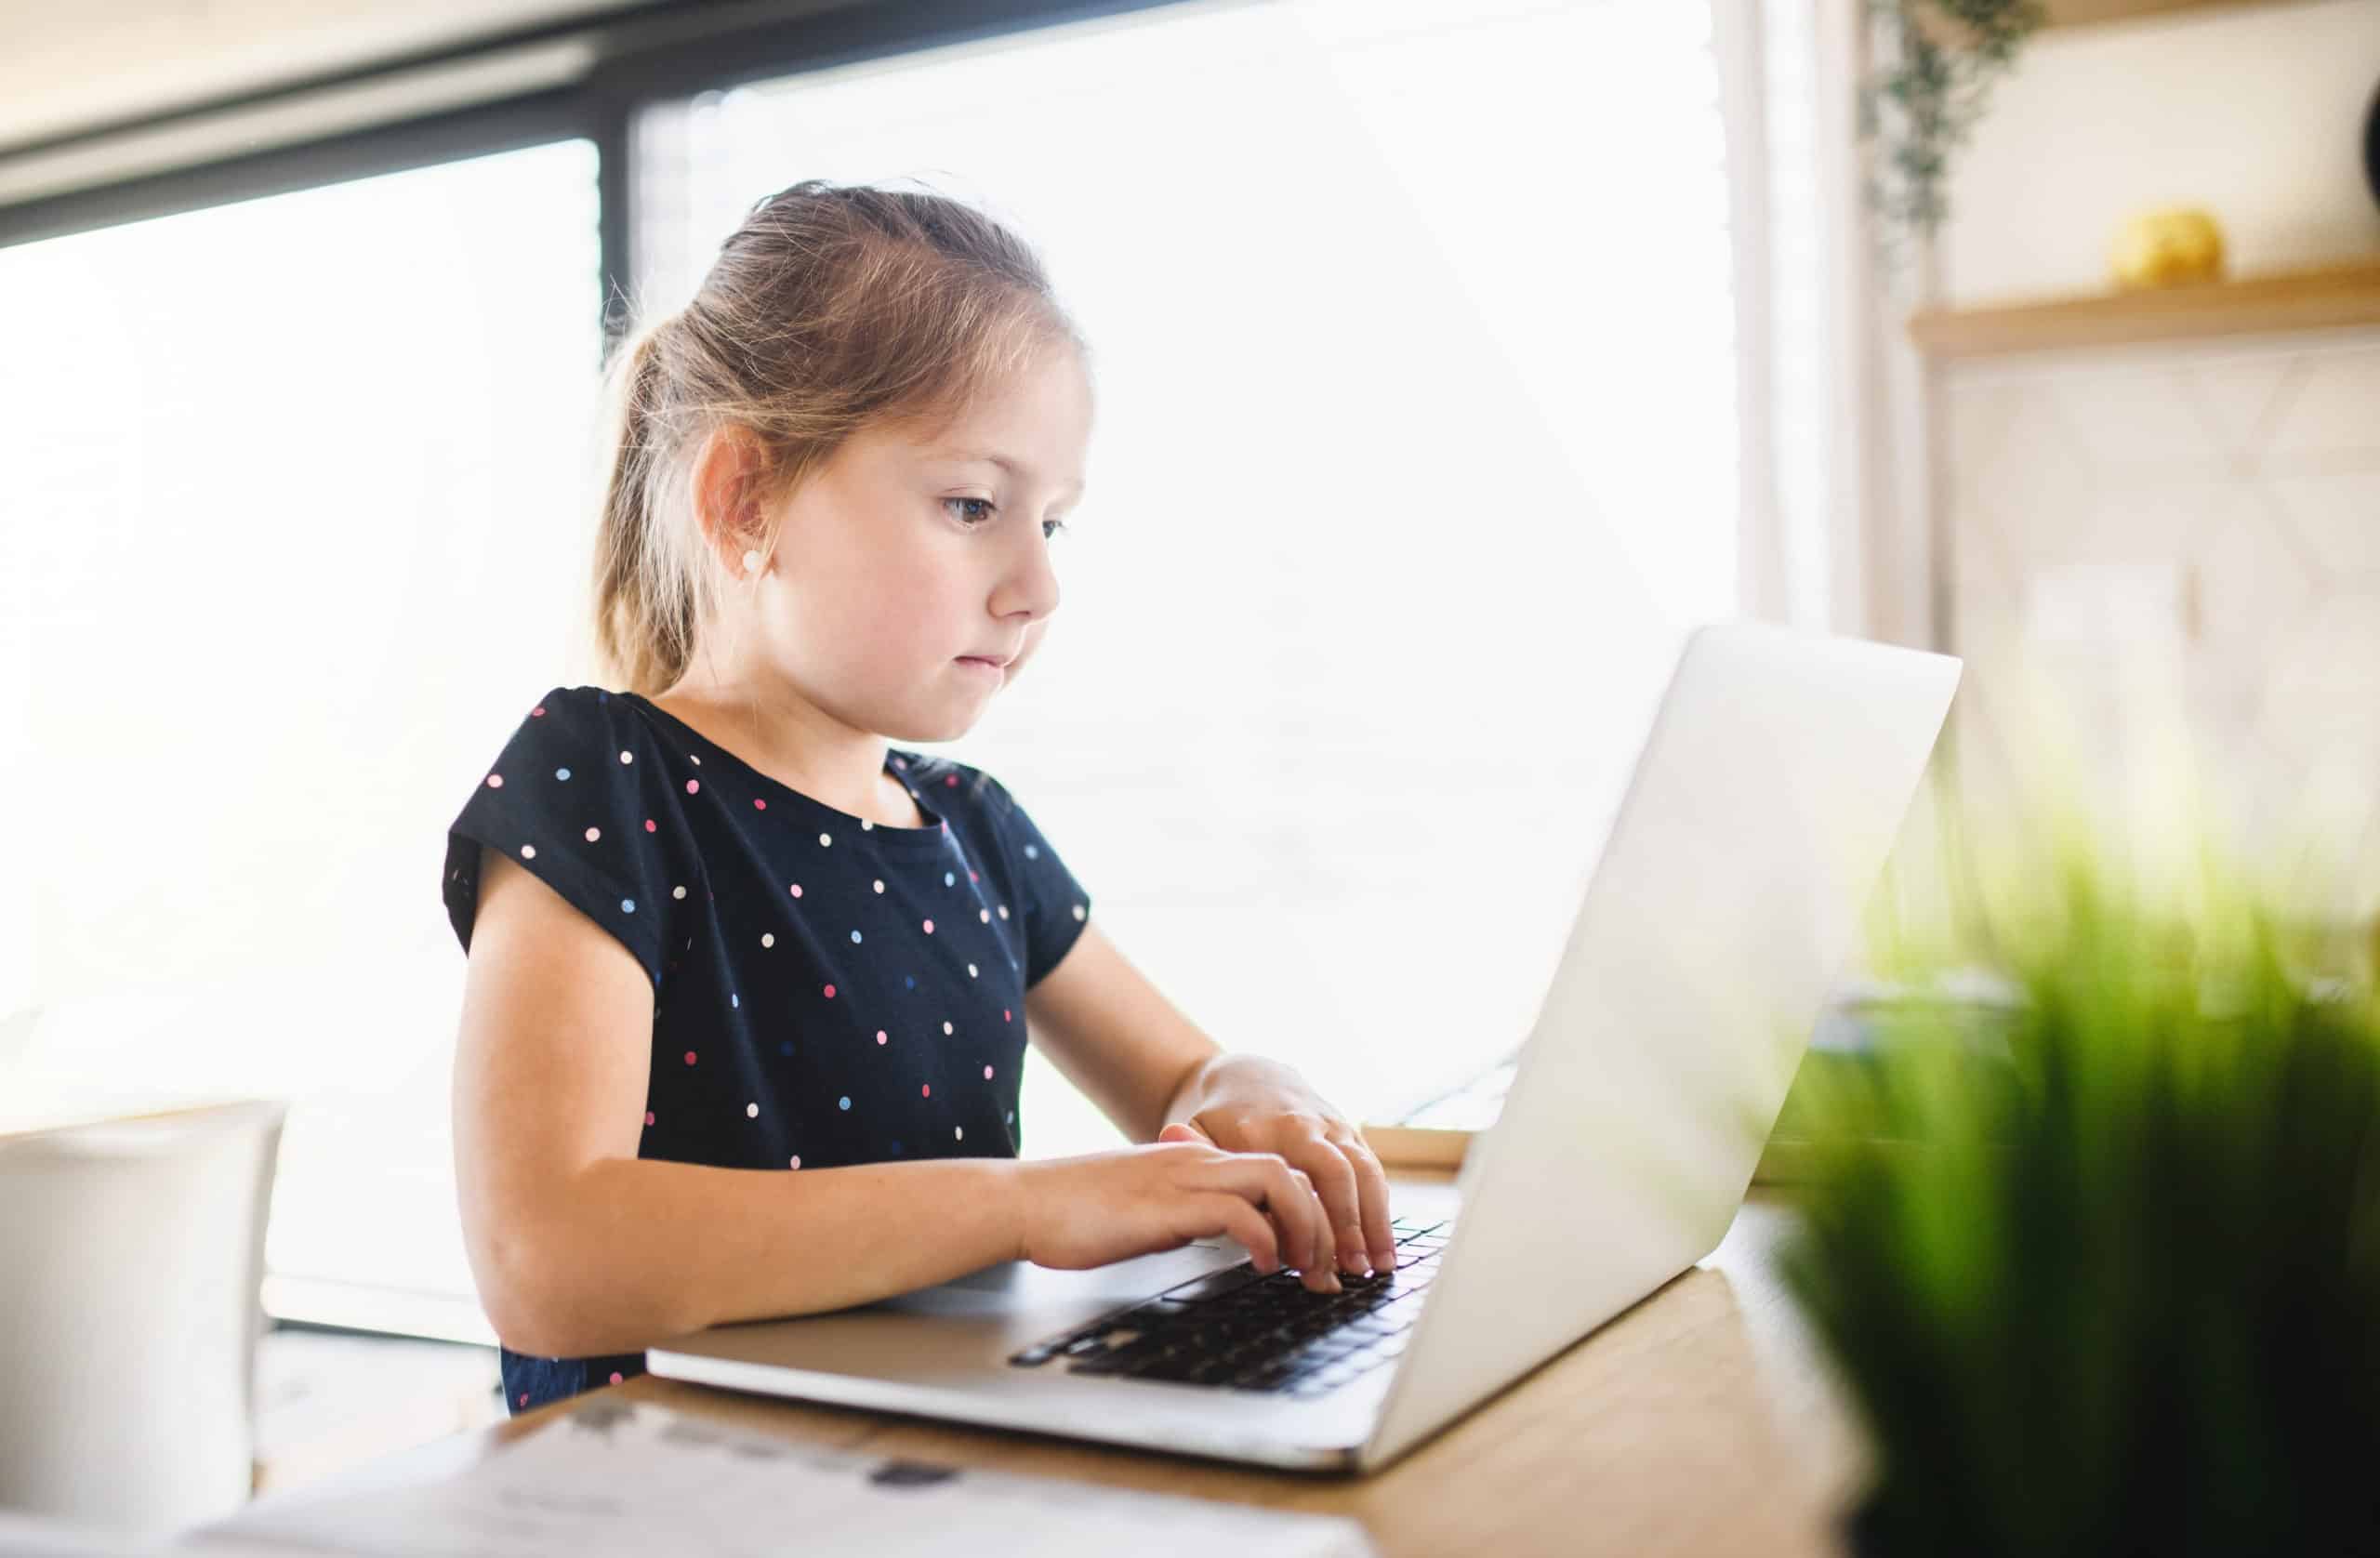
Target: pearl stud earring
x=751, y=562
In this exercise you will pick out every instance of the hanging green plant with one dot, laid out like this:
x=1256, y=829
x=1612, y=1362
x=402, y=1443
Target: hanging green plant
x=1942, y=57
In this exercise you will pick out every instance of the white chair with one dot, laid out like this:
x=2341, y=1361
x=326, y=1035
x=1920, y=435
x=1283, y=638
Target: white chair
x=131, y=1261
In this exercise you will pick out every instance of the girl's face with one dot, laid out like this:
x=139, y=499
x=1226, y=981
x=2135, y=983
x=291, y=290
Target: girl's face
x=900, y=562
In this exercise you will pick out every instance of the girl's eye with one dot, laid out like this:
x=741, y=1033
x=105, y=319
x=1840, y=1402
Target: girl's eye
x=1050, y=529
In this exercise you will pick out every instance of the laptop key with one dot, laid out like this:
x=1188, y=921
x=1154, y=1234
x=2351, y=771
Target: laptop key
x=1262, y=1377
x=1214, y=1285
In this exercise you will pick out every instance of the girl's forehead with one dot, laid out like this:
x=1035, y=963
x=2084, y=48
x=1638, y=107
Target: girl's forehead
x=1033, y=431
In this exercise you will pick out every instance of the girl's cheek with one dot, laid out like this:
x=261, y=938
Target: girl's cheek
x=1032, y=641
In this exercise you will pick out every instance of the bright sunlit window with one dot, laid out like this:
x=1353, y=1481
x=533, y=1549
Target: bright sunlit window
x=292, y=528
x=1414, y=456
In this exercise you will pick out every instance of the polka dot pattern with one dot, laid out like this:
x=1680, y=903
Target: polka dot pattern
x=841, y=930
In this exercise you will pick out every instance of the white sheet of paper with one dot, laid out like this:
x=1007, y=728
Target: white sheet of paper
x=624, y=1478
x=27, y=1535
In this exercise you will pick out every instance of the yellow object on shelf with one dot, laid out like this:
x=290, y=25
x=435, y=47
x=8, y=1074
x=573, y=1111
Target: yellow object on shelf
x=2165, y=247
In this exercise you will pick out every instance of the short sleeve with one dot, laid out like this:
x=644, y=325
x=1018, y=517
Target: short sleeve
x=1055, y=905
x=565, y=801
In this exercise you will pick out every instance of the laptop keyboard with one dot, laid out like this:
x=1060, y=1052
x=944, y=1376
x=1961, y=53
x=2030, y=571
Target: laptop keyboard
x=1240, y=1328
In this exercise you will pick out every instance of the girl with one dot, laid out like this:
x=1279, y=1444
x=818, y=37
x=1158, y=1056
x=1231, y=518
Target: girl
x=749, y=984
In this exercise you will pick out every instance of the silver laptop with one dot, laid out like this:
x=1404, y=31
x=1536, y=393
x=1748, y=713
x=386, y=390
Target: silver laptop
x=1754, y=826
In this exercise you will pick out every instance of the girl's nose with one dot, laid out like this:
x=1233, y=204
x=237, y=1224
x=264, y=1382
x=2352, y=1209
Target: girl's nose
x=1032, y=585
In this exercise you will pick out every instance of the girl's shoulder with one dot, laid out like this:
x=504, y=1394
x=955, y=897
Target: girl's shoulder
x=581, y=797
x=951, y=784
x=595, y=721
x=561, y=714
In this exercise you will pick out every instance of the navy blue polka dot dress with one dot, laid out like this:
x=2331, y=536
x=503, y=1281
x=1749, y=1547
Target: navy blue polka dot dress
x=827, y=991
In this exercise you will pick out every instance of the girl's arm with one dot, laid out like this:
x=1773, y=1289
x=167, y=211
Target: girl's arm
x=1118, y=1038
x=580, y=1247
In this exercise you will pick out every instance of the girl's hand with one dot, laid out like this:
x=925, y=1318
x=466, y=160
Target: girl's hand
x=1084, y=1211
x=1251, y=1104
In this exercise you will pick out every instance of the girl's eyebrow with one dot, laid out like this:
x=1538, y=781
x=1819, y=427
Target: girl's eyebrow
x=984, y=457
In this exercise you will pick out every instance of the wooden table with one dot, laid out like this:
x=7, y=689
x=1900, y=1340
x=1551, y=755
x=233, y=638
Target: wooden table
x=1699, y=1422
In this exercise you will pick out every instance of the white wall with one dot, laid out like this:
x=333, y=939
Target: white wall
x=2160, y=554
x=2256, y=113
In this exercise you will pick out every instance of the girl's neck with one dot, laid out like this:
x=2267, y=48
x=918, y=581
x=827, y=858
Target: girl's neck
x=785, y=737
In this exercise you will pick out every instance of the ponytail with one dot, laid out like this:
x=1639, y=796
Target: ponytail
x=643, y=628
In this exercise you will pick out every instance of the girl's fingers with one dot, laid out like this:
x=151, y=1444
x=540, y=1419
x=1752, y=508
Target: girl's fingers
x=1341, y=1194
x=1371, y=1182
x=1220, y=1212
x=1267, y=1181
x=1305, y=1208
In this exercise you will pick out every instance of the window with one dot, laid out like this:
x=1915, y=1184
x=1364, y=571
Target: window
x=292, y=530
x=1414, y=456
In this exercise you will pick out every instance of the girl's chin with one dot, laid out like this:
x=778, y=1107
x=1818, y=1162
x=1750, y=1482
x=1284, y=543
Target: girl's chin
x=948, y=722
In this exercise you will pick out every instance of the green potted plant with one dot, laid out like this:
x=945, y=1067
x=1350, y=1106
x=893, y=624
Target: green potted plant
x=1938, y=60
x=2118, y=1292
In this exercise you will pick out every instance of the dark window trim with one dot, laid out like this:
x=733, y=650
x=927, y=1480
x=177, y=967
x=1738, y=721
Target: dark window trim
x=641, y=55
x=537, y=118
x=426, y=59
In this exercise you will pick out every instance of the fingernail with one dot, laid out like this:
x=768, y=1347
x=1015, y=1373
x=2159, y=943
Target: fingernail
x=1357, y=1263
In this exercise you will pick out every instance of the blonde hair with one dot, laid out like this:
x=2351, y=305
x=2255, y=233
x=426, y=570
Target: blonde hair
x=830, y=309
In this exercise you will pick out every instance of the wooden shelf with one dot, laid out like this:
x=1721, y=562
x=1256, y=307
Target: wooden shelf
x=2091, y=13
x=1944, y=28
x=2324, y=297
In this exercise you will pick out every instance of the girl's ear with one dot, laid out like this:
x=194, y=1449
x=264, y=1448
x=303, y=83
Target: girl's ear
x=729, y=468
